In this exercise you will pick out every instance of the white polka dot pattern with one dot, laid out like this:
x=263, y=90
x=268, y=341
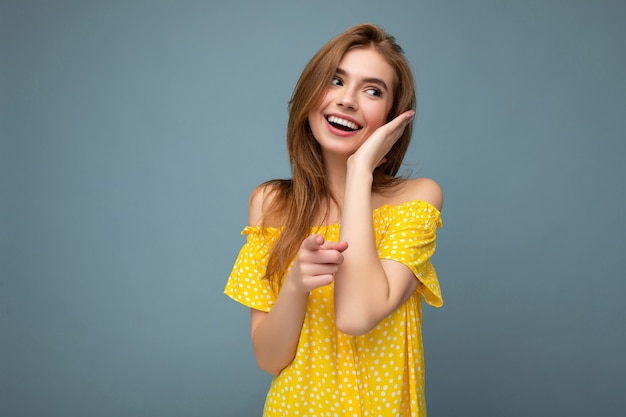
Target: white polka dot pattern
x=378, y=374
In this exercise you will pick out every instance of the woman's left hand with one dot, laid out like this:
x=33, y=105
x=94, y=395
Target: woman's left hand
x=372, y=152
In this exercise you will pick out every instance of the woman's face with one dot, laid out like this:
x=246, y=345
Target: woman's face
x=356, y=103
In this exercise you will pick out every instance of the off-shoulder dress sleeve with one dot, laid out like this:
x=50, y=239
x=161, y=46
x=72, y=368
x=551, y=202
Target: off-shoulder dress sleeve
x=246, y=283
x=409, y=237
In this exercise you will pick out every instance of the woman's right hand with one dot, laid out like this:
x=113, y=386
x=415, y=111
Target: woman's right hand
x=316, y=263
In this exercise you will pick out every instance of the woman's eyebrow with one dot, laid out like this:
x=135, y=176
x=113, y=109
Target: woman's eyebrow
x=378, y=81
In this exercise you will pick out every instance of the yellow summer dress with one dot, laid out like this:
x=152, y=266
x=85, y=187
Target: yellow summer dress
x=380, y=373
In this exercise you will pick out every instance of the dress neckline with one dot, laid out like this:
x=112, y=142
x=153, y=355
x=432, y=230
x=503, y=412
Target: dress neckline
x=377, y=211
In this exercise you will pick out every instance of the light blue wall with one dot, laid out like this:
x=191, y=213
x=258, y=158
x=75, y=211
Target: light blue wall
x=133, y=132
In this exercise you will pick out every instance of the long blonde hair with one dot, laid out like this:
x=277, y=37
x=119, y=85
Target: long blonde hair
x=298, y=201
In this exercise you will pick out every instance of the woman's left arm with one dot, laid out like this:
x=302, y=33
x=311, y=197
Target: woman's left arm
x=368, y=289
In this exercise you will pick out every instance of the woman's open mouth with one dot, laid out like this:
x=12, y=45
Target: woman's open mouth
x=343, y=124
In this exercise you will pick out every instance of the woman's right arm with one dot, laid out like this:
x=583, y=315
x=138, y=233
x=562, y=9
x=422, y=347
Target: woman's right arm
x=275, y=334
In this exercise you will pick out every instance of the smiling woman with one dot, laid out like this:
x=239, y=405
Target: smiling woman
x=357, y=103
x=337, y=259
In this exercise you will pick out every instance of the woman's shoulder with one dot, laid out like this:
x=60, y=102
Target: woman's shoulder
x=425, y=189
x=414, y=189
x=264, y=198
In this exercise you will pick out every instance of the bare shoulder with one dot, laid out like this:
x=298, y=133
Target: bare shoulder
x=261, y=198
x=423, y=189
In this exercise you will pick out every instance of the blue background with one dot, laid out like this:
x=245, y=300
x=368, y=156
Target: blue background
x=133, y=132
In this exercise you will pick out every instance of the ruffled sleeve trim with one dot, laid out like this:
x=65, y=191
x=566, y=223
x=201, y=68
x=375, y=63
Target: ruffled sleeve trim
x=407, y=234
x=246, y=283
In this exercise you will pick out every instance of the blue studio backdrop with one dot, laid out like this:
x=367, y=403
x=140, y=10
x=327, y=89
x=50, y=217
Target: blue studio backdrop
x=132, y=133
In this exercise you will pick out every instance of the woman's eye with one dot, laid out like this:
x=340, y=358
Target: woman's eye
x=374, y=92
x=336, y=81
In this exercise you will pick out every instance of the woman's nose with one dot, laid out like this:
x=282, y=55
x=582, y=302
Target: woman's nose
x=347, y=99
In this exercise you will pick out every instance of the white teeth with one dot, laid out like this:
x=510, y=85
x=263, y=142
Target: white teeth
x=346, y=123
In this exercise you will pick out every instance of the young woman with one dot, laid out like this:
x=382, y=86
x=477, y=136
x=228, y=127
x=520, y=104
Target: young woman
x=337, y=258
